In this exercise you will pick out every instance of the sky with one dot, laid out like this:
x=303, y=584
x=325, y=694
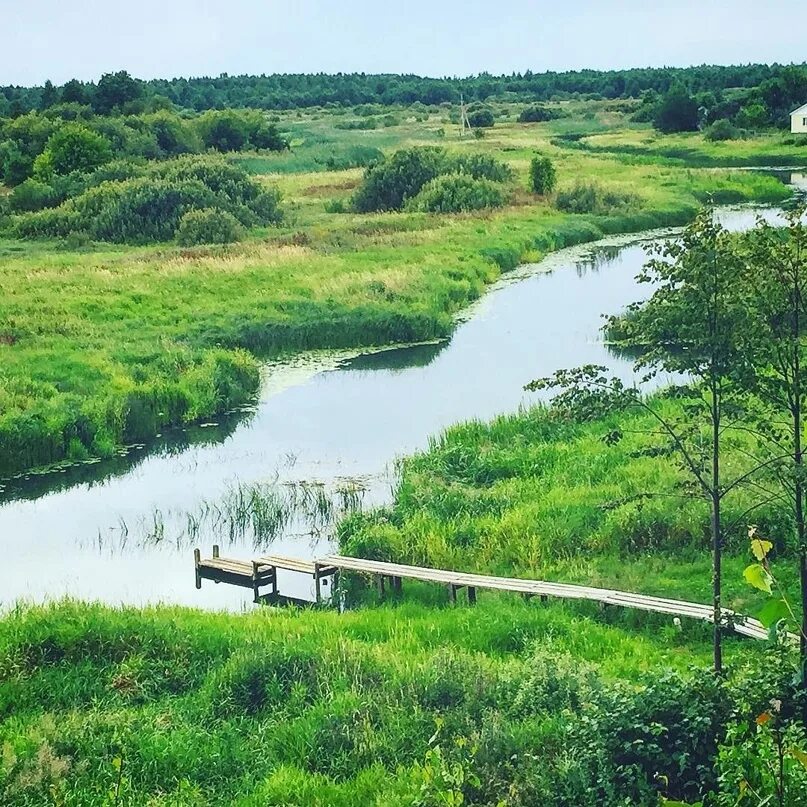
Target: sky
x=59, y=39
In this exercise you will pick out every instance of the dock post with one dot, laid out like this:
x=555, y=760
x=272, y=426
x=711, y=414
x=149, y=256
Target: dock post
x=381, y=589
x=471, y=595
x=397, y=584
x=255, y=591
x=453, y=591
x=215, y=550
x=544, y=598
x=197, y=559
x=317, y=585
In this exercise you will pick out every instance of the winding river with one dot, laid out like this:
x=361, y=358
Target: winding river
x=324, y=435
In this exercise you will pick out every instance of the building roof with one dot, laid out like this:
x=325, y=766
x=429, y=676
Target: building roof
x=799, y=111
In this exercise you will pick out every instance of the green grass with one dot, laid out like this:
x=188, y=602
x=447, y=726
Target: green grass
x=693, y=149
x=532, y=496
x=301, y=708
x=106, y=345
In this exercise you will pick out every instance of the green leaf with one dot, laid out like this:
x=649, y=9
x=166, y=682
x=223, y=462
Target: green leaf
x=772, y=612
x=757, y=576
x=800, y=755
x=760, y=548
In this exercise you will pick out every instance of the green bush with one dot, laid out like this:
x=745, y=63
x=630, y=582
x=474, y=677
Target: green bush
x=676, y=112
x=537, y=113
x=480, y=166
x=229, y=130
x=387, y=185
x=481, y=117
x=359, y=124
x=391, y=183
x=73, y=147
x=32, y=195
x=149, y=207
x=174, y=135
x=455, y=193
x=722, y=129
x=543, y=177
x=208, y=226
x=591, y=197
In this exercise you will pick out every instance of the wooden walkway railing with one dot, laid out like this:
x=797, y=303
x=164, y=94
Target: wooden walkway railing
x=263, y=571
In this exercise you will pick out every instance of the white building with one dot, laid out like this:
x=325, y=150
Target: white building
x=798, y=120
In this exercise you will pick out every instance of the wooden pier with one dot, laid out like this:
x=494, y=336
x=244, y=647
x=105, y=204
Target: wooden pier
x=262, y=572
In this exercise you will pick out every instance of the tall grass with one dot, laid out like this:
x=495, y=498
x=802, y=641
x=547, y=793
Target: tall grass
x=171, y=706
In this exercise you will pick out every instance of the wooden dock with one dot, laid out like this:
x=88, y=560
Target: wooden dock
x=261, y=572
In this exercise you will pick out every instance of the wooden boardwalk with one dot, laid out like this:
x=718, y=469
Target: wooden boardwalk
x=261, y=572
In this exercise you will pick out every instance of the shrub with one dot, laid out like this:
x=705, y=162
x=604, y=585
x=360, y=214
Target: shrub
x=73, y=147
x=223, y=130
x=390, y=183
x=15, y=165
x=140, y=210
x=174, y=136
x=590, y=197
x=57, y=222
x=33, y=195
x=543, y=177
x=481, y=166
x=387, y=185
x=359, y=124
x=355, y=156
x=454, y=193
x=722, y=129
x=208, y=226
x=537, y=113
x=481, y=118
x=228, y=130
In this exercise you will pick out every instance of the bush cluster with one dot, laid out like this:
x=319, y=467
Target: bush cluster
x=70, y=138
x=149, y=205
x=542, y=175
x=537, y=113
x=391, y=183
x=208, y=226
x=723, y=129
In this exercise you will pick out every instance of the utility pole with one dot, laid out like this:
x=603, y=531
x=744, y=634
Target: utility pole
x=465, y=124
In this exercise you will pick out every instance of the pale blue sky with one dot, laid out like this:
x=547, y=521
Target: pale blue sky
x=59, y=39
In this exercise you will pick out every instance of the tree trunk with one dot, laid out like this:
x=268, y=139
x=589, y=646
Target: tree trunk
x=717, y=538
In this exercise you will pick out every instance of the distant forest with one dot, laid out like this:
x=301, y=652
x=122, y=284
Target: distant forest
x=288, y=91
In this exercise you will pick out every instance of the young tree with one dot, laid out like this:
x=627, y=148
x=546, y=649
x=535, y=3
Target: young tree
x=543, y=177
x=776, y=275
x=696, y=323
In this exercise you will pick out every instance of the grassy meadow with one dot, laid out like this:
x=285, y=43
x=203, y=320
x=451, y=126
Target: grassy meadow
x=105, y=345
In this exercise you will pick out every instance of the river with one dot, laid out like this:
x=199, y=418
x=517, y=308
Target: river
x=326, y=430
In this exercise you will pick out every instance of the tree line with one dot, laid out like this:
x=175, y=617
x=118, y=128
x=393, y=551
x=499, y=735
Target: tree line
x=287, y=91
